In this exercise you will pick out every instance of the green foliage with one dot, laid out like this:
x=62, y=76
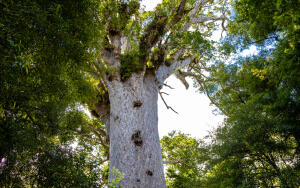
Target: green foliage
x=130, y=63
x=258, y=145
x=118, y=177
x=118, y=12
x=191, y=40
x=44, y=53
x=260, y=96
x=256, y=21
x=187, y=159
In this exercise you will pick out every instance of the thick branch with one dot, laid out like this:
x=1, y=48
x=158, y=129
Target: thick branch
x=193, y=13
x=182, y=79
x=107, y=56
x=164, y=71
x=158, y=28
x=153, y=33
x=179, y=13
x=205, y=19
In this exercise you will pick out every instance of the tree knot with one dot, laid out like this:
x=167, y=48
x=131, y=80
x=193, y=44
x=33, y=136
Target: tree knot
x=149, y=172
x=137, y=104
x=137, y=139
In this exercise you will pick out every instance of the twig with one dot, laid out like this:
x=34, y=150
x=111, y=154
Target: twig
x=169, y=86
x=168, y=107
x=164, y=93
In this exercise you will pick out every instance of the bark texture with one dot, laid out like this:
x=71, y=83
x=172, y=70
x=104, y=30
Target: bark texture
x=134, y=141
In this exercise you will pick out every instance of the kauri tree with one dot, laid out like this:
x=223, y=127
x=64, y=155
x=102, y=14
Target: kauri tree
x=139, y=51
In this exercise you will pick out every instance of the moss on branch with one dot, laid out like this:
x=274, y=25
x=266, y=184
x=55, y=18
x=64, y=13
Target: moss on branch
x=154, y=31
x=130, y=63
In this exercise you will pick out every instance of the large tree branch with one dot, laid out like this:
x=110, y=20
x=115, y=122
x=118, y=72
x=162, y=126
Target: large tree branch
x=193, y=13
x=205, y=19
x=179, y=13
x=163, y=72
x=158, y=28
x=111, y=50
x=181, y=77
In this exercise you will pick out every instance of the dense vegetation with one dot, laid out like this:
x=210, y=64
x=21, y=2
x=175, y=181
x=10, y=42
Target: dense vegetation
x=46, y=79
x=258, y=144
x=43, y=55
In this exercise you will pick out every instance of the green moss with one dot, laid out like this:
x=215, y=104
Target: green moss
x=168, y=62
x=157, y=58
x=152, y=34
x=130, y=62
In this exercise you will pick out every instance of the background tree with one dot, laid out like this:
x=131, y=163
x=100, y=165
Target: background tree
x=258, y=145
x=264, y=91
x=185, y=159
x=44, y=52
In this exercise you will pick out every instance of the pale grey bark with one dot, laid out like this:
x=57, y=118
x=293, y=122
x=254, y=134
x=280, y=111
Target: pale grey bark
x=164, y=71
x=206, y=18
x=193, y=13
x=134, y=141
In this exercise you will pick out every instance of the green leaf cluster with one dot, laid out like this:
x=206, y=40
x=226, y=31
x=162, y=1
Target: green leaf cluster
x=258, y=144
x=45, y=50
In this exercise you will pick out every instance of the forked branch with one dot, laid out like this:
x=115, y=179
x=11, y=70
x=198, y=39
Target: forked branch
x=168, y=107
x=164, y=71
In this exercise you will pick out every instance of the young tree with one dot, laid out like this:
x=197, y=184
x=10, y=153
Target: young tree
x=140, y=50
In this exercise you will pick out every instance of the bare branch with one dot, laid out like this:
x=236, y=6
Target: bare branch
x=171, y=162
x=100, y=134
x=169, y=86
x=164, y=93
x=182, y=79
x=168, y=107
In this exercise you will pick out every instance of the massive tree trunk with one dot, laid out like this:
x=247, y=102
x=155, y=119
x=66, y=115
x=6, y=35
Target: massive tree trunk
x=127, y=58
x=134, y=141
